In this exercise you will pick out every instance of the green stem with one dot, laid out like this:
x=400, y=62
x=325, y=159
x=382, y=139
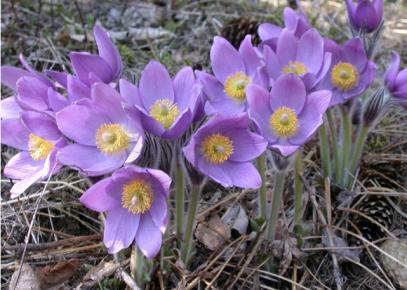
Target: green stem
x=179, y=201
x=193, y=208
x=298, y=191
x=357, y=152
x=277, y=194
x=334, y=136
x=346, y=146
x=139, y=265
x=261, y=166
x=324, y=147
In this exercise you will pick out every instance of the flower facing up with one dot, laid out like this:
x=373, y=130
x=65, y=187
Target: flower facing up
x=287, y=117
x=304, y=57
x=366, y=15
x=396, y=80
x=223, y=149
x=135, y=200
x=351, y=72
x=89, y=68
x=233, y=70
x=166, y=107
x=106, y=137
x=39, y=140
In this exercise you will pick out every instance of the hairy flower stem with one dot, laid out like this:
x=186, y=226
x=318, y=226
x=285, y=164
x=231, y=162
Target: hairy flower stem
x=335, y=149
x=261, y=166
x=277, y=194
x=357, y=153
x=298, y=191
x=179, y=201
x=138, y=265
x=324, y=150
x=193, y=208
x=345, y=146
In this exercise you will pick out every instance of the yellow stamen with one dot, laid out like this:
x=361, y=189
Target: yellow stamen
x=39, y=148
x=217, y=148
x=295, y=67
x=137, y=196
x=111, y=139
x=235, y=86
x=284, y=122
x=344, y=76
x=165, y=112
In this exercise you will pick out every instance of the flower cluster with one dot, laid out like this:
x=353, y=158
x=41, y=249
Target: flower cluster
x=273, y=96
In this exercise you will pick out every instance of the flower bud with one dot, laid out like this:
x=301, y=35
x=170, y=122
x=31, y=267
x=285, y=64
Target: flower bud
x=373, y=107
x=366, y=15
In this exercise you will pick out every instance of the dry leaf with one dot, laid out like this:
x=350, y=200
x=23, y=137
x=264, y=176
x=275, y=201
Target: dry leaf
x=57, y=274
x=28, y=279
x=236, y=218
x=342, y=245
x=214, y=234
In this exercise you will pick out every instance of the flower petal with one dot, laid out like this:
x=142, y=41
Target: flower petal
x=288, y=91
x=41, y=124
x=10, y=108
x=129, y=92
x=286, y=47
x=391, y=73
x=32, y=94
x=14, y=133
x=22, y=166
x=242, y=174
x=84, y=63
x=158, y=212
x=108, y=51
x=97, y=198
x=268, y=31
x=249, y=55
x=76, y=89
x=148, y=237
x=246, y=145
x=184, y=82
x=311, y=50
x=10, y=75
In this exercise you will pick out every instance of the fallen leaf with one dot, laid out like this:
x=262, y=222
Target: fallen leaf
x=236, y=218
x=214, y=234
x=342, y=245
x=28, y=279
x=57, y=274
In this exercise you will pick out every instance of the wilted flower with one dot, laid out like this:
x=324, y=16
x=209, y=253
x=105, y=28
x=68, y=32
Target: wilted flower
x=233, y=70
x=166, y=107
x=304, y=57
x=37, y=135
x=287, y=117
x=223, y=149
x=366, y=15
x=351, y=72
x=106, y=137
x=135, y=200
x=396, y=80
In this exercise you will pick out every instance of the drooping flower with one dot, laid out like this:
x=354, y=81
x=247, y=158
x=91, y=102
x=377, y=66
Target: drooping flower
x=37, y=135
x=395, y=79
x=106, y=137
x=304, y=57
x=366, y=16
x=286, y=116
x=351, y=72
x=223, y=149
x=166, y=107
x=233, y=70
x=294, y=21
x=135, y=200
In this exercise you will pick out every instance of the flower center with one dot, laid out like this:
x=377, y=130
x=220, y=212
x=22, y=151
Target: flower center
x=39, y=148
x=284, y=122
x=344, y=76
x=164, y=112
x=295, y=67
x=111, y=138
x=137, y=196
x=217, y=148
x=235, y=86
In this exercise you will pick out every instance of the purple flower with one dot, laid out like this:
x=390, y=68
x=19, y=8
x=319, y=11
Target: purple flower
x=105, y=67
x=37, y=135
x=233, y=70
x=396, y=80
x=351, y=72
x=366, y=15
x=106, y=137
x=304, y=57
x=135, y=200
x=166, y=107
x=223, y=149
x=294, y=21
x=287, y=117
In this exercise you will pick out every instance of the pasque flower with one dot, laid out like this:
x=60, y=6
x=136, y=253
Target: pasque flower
x=395, y=79
x=303, y=56
x=366, y=15
x=223, y=149
x=106, y=137
x=286, y=116
x=166, y=107
x=351, y=72
x=233, y=70
x=135, y=200
x=37, y=135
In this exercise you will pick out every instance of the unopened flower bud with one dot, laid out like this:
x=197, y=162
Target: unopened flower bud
x=373, y=107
